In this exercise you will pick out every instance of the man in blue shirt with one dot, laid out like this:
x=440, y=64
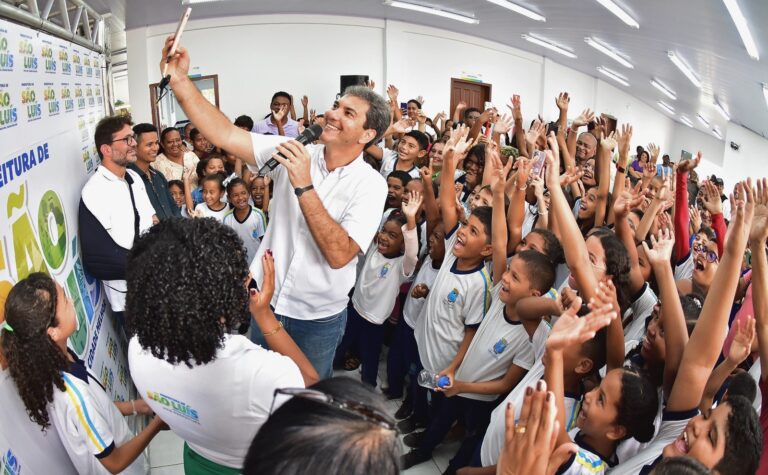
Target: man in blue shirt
x=154, y=181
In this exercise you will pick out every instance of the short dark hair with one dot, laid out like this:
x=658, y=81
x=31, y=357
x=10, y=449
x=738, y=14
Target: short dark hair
x=421, y=138
x=742, y=384
x=235, y=182
x=639, y=404
x=485, y=215
x=681, y=466
x=743, y=440
x=194, y=133
x=217, y=178
x=107, y=128
x=418, y=104
x=244, y=121
x=470, y=110
x=540, y=271
x=554, y=250
x=143, y=128
x=404, y=177
x=691, y=305
x=378, y=115
x=595, y=350
x=186, y=325
x=200, y=167
x=306, y=433
x=281, y=94
x=178, y=183
x=167, y=131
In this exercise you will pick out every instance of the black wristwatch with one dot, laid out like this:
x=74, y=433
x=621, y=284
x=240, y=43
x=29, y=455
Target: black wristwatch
x=301, y=191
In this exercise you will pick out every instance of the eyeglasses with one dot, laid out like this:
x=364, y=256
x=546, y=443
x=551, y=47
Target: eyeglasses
x=127, y=139
x=357, y=409
x=711, y=256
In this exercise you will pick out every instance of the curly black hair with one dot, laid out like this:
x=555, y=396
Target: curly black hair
x=743, y=440
x=34, y=360
x=186, y=289
x=616, y=262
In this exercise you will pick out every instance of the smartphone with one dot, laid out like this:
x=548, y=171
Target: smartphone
x=538, y=164
x=403, y=106
x=177, y=38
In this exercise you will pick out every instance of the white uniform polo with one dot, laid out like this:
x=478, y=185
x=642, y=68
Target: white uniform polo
x=24, y=446
x=203, y=211
x=217, y=408
x=412, y=308
x=389, y=163
x=640, y=309
x=107, y=197
x=306, y=287
x=250, y=230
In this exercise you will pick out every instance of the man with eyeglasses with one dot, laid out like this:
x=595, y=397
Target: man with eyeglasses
x=114, y=209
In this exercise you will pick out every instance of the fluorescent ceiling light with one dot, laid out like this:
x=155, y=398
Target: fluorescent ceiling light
x=717, y=133
x=664, y=89
x=549, y=45
x=722, y=110
x=519, y=9
x=192, y=2
x=685, y=120
x=741, y=25
x=619, y=12
x=703, y=120
x=613, y=75
x=432, y=11
x=684, y=68
x=666, y=107
x=608, y=51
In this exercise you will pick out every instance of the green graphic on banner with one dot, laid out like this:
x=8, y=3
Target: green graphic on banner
x=52, y=228
x=26, y=250
x=79, y=339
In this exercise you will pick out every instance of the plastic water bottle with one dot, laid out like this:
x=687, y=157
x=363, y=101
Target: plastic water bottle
x=431, y=380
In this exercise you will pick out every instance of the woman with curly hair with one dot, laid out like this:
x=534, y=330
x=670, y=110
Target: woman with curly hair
x=57, y=389
x=212, y=386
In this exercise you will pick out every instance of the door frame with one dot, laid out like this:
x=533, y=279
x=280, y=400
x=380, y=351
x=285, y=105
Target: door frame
x=487, y=86
x=153, y=95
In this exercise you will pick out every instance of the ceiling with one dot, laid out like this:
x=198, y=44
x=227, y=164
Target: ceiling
x=700, y=31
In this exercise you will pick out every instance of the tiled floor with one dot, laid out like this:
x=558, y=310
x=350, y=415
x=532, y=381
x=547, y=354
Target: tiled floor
x=165, y=451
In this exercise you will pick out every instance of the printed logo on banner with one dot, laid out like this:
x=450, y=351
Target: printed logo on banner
x=66, y=96
x=31, y=102
x=99, y=99
x=6, y=55
x=27, y=52
x=89, y=96
x=11, y=465
x=97, y=67
x=88, y=68
x=89, y=166
x=49, y=96
x=66, y=66
x=8, y=113
x=46, y=52
x=79, y=96
x=77, y=62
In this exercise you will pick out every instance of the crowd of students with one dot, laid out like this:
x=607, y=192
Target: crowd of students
x=549, y=300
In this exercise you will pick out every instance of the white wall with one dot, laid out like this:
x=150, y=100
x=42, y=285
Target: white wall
x=121, y=89
x=750, y=160
x=419, y=60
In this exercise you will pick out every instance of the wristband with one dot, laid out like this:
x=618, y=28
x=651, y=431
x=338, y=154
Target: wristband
x=301, y=191
x=621, y=169
x=276, y=330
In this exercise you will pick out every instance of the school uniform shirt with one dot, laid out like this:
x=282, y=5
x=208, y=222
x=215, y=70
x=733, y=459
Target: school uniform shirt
x=457, y=300
x=389, y=164
x=672, y=425
x=107, y=198
x=684, y=270
x=89, y=424
x=420, y=227
x=306, y=287
x=412, y=308
x=218, y=407
x=586, y=461
x=174, y=171
x=250, y=229
x=498, y=343
x=379, y=280
x=204, y=211
x=640, y=309
x=24, y=447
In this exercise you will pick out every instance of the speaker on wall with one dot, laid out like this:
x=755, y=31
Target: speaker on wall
x=351, y=80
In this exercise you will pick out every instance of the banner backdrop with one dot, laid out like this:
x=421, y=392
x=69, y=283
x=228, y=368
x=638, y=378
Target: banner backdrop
x=51, y=98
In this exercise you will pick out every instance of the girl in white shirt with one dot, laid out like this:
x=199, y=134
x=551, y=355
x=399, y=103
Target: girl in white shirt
x=388, y=263
x=212, y=205
x=57, y=389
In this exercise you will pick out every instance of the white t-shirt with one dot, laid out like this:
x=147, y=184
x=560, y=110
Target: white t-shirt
x=203, y=211
x=672, y=425
x=250, y=230
x=24, y=447
x=640, y=309
x=378, y=284
x=389, y=162
x=497, y=344
x=684, y=270
x=89, y=424
x=457, y=299
x=412, y=308
x=306, y=287
x=218, y=407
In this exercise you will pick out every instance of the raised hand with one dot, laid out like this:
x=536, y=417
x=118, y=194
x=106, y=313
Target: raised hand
x=695, y=216
x=624, y=138
x=537, y=129
x=741, y=346
x=688, y=165
x=653, y=150
x=570, y=329
x=583, y=119
x=499, y=177
x=609, y=142
x=402, y=125
x=562, y=100
x=553, y=145
x=759, y=231
x=523, y=166
x=663, y=245
x=312, y=116
x=421, y=118
x=411, y=207
x=625, y=202
x=370, y=84
x=571, y=175
x=278, y=116
x=393, y=92
x=260, y=299
x=504, y=124
x=304, y=101
x=515, y=107
x=461, y=106
x=421, y=100
x=711, y=198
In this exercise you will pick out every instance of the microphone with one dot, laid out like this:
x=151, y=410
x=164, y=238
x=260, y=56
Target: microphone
x=310, y=134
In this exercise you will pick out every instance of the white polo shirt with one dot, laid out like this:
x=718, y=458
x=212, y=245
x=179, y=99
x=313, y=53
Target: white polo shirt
x=203, y=211
x=250, y=230
x=389, y=163
x=412, y=308
x=107, y=197
x=640, y=309
x=89, y=424
x=218, y=407
x=306, y=288
x=24, y=447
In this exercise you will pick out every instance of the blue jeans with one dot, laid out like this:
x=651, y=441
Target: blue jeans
x=318, y=339
x=366, y=338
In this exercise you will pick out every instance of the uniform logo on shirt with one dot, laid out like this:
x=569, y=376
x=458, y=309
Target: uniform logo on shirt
x=175, y=406
x=384, y=270
x=453, y=295
x=255, y=234
x=11, y=465
x=499, y=347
